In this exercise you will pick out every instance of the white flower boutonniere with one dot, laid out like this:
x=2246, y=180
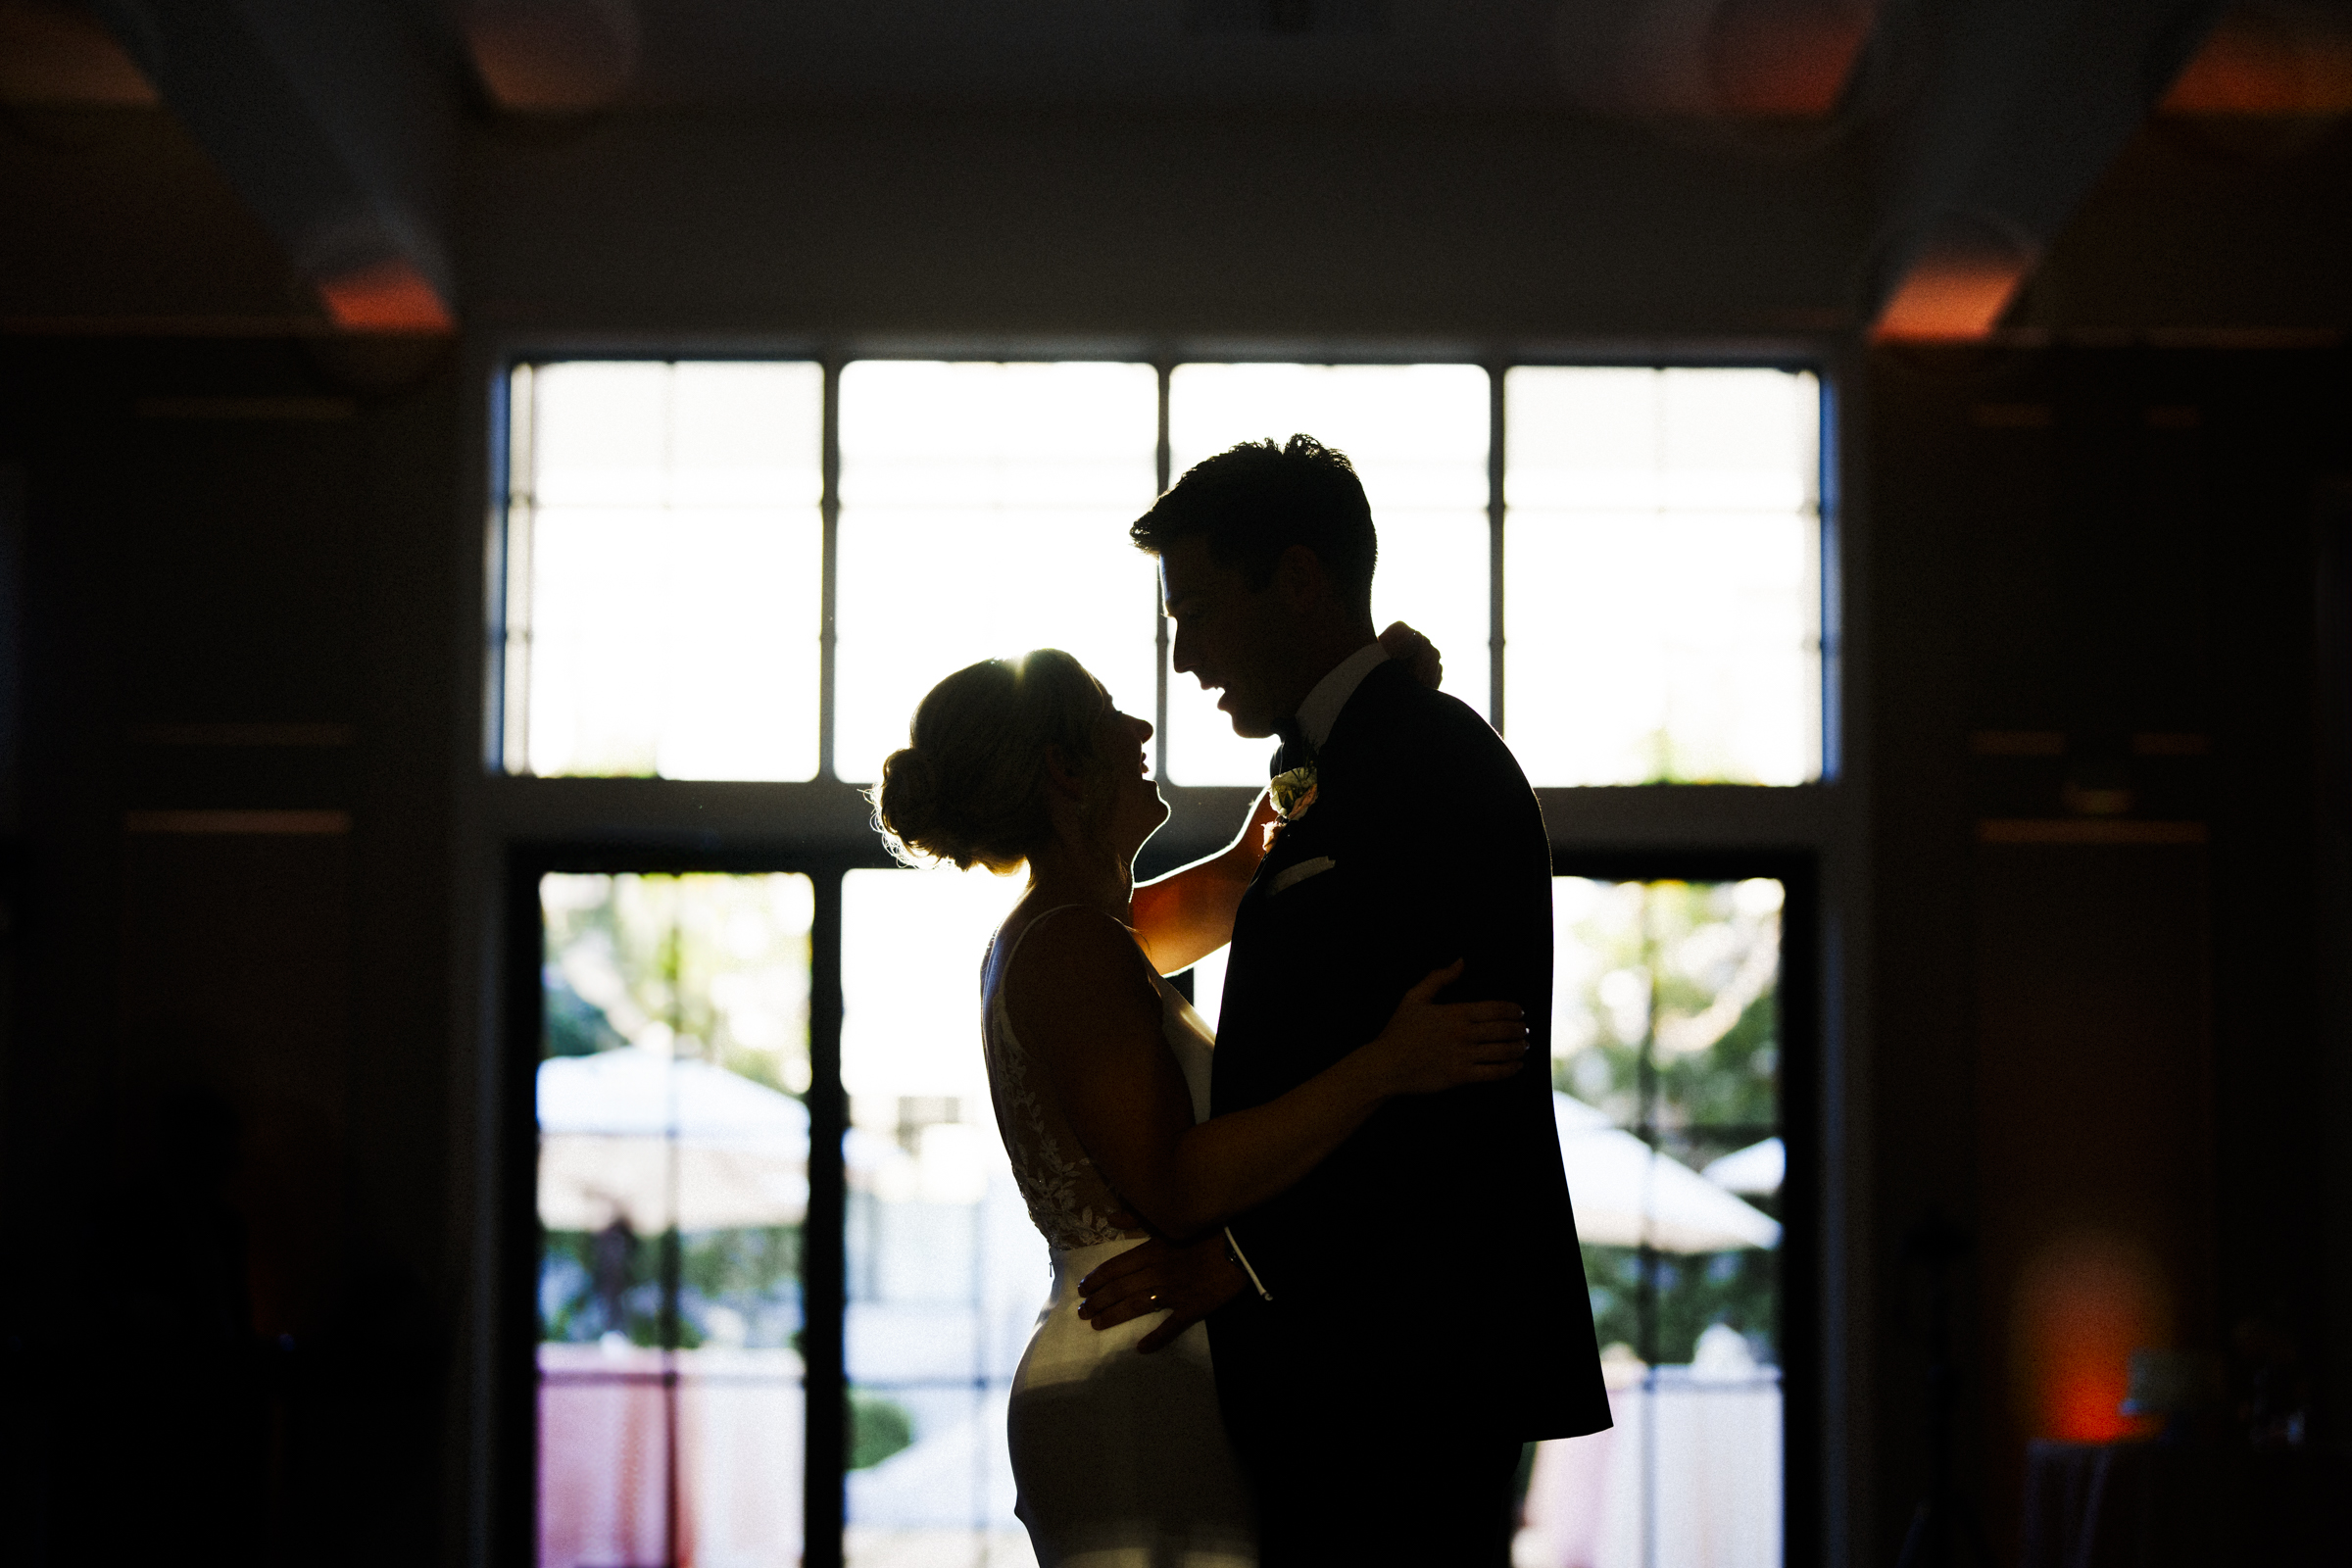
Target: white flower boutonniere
x=1292, y=794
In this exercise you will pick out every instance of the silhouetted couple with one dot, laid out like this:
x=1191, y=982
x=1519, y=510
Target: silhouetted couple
x=1356, y=1199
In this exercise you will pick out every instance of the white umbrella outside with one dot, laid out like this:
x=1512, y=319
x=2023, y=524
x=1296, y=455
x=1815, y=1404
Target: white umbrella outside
x=1758, y=1168
x=1629, y=1195
x=614, y=1128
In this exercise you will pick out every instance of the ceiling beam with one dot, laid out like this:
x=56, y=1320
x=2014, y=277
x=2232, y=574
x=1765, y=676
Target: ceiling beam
x=332, y=122
x=2011, y=111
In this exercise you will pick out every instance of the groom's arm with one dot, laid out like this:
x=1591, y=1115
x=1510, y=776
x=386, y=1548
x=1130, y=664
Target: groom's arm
x=1187, y=1280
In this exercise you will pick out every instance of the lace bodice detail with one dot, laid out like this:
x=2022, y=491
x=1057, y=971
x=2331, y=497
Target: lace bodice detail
x=1068, y=1200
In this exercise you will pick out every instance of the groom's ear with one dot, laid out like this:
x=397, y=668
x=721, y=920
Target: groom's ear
x=1300, y=579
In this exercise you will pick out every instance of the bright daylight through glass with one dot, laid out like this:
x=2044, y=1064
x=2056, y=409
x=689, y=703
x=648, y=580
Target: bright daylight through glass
x=984, y=511
x=1666, y=1043
x=945, y=1270
x=663, y=569
x=672, y=1195
x=666, y=564
x=1662, y=579
x=1417, y=435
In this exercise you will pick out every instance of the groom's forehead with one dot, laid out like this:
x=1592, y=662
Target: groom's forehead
x=1187, y=569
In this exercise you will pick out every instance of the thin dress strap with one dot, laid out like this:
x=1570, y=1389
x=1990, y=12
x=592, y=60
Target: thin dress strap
x=1036, y=920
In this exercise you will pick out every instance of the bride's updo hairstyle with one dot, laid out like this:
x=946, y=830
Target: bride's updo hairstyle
x=969, y=787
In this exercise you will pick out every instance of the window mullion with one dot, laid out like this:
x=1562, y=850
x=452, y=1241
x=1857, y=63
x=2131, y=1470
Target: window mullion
x=825, y=1284
x=1497, y=375
x=1163, y=466
x=828, y=569
x=1828, y=619
x=518, y=506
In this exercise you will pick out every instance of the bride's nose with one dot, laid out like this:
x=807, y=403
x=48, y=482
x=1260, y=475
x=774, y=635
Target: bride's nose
x=1142, y=728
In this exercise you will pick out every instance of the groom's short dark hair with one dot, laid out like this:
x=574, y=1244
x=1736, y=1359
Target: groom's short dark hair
x=1255, y=501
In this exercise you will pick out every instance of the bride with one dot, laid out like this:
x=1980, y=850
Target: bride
x=1099, y=1074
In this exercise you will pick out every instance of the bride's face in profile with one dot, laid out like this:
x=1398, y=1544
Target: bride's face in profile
x=1135, y=810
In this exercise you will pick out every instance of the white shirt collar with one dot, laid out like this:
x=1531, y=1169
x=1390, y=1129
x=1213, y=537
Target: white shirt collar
x=1321, y=708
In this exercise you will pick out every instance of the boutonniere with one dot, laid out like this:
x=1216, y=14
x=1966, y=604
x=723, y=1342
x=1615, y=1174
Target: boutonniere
x=1292, y=794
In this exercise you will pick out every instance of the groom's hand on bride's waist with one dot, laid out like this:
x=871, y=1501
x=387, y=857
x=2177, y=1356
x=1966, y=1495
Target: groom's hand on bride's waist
x=1187, y=1281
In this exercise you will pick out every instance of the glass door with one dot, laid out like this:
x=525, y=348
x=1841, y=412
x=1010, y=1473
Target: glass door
x=1666, y=1073
x=672, y=1200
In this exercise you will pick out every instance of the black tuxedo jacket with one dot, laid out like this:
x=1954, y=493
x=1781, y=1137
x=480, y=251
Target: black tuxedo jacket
x=1428, y=1271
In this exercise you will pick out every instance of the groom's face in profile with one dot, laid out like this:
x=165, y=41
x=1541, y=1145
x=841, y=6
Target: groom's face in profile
x=1232, y=638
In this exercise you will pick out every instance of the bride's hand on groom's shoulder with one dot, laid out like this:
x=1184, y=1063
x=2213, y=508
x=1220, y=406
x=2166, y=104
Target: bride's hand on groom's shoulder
x=1187, y=1280
x=1416, y=652
x=1431, y=1046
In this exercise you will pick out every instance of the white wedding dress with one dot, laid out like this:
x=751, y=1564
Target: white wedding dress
x=1121, y=1458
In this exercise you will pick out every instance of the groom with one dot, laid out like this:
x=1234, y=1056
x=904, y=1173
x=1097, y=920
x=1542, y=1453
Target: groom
x=1416, y=1308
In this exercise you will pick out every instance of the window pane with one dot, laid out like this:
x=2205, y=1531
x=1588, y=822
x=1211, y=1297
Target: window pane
x=673, y=1186
x=1662, y=578
x=1666, y=1070
x=945, y=1273
x=1418, y=437
x=664, y=545
x=984, y=512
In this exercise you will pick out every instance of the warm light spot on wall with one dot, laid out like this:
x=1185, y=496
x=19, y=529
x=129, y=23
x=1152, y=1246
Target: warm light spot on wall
x=2269, y=62
x=55, y=53
x=1950, y=298
x=2082, y=1304
x=1785, y=57
x=386, y=297
x=553, y=55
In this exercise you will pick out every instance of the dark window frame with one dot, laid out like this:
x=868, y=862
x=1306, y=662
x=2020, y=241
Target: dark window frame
x=531, y=825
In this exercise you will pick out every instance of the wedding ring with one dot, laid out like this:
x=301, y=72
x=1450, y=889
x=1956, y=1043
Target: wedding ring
x=1152, y=1300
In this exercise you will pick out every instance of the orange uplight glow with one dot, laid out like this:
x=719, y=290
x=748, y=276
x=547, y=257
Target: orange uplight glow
x=386, y=297
x=2269, y=62
x=2082, y=1305
x=1787, y=57
x=1950, y=299
x=554, y=59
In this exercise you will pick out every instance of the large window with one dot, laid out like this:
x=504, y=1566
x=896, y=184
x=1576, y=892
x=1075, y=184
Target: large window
x=751, y=571
x=662, y=569
x=1651, y=540
x=982, y=503
x=673, y=1178
x=1664, y=585
x=1418, y=436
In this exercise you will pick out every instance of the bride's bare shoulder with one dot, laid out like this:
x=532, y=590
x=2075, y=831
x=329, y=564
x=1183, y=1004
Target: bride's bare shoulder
x=1071, y=964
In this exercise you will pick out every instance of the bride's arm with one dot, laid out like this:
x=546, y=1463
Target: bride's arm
x=1188, y=915
x=1084, y=1005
